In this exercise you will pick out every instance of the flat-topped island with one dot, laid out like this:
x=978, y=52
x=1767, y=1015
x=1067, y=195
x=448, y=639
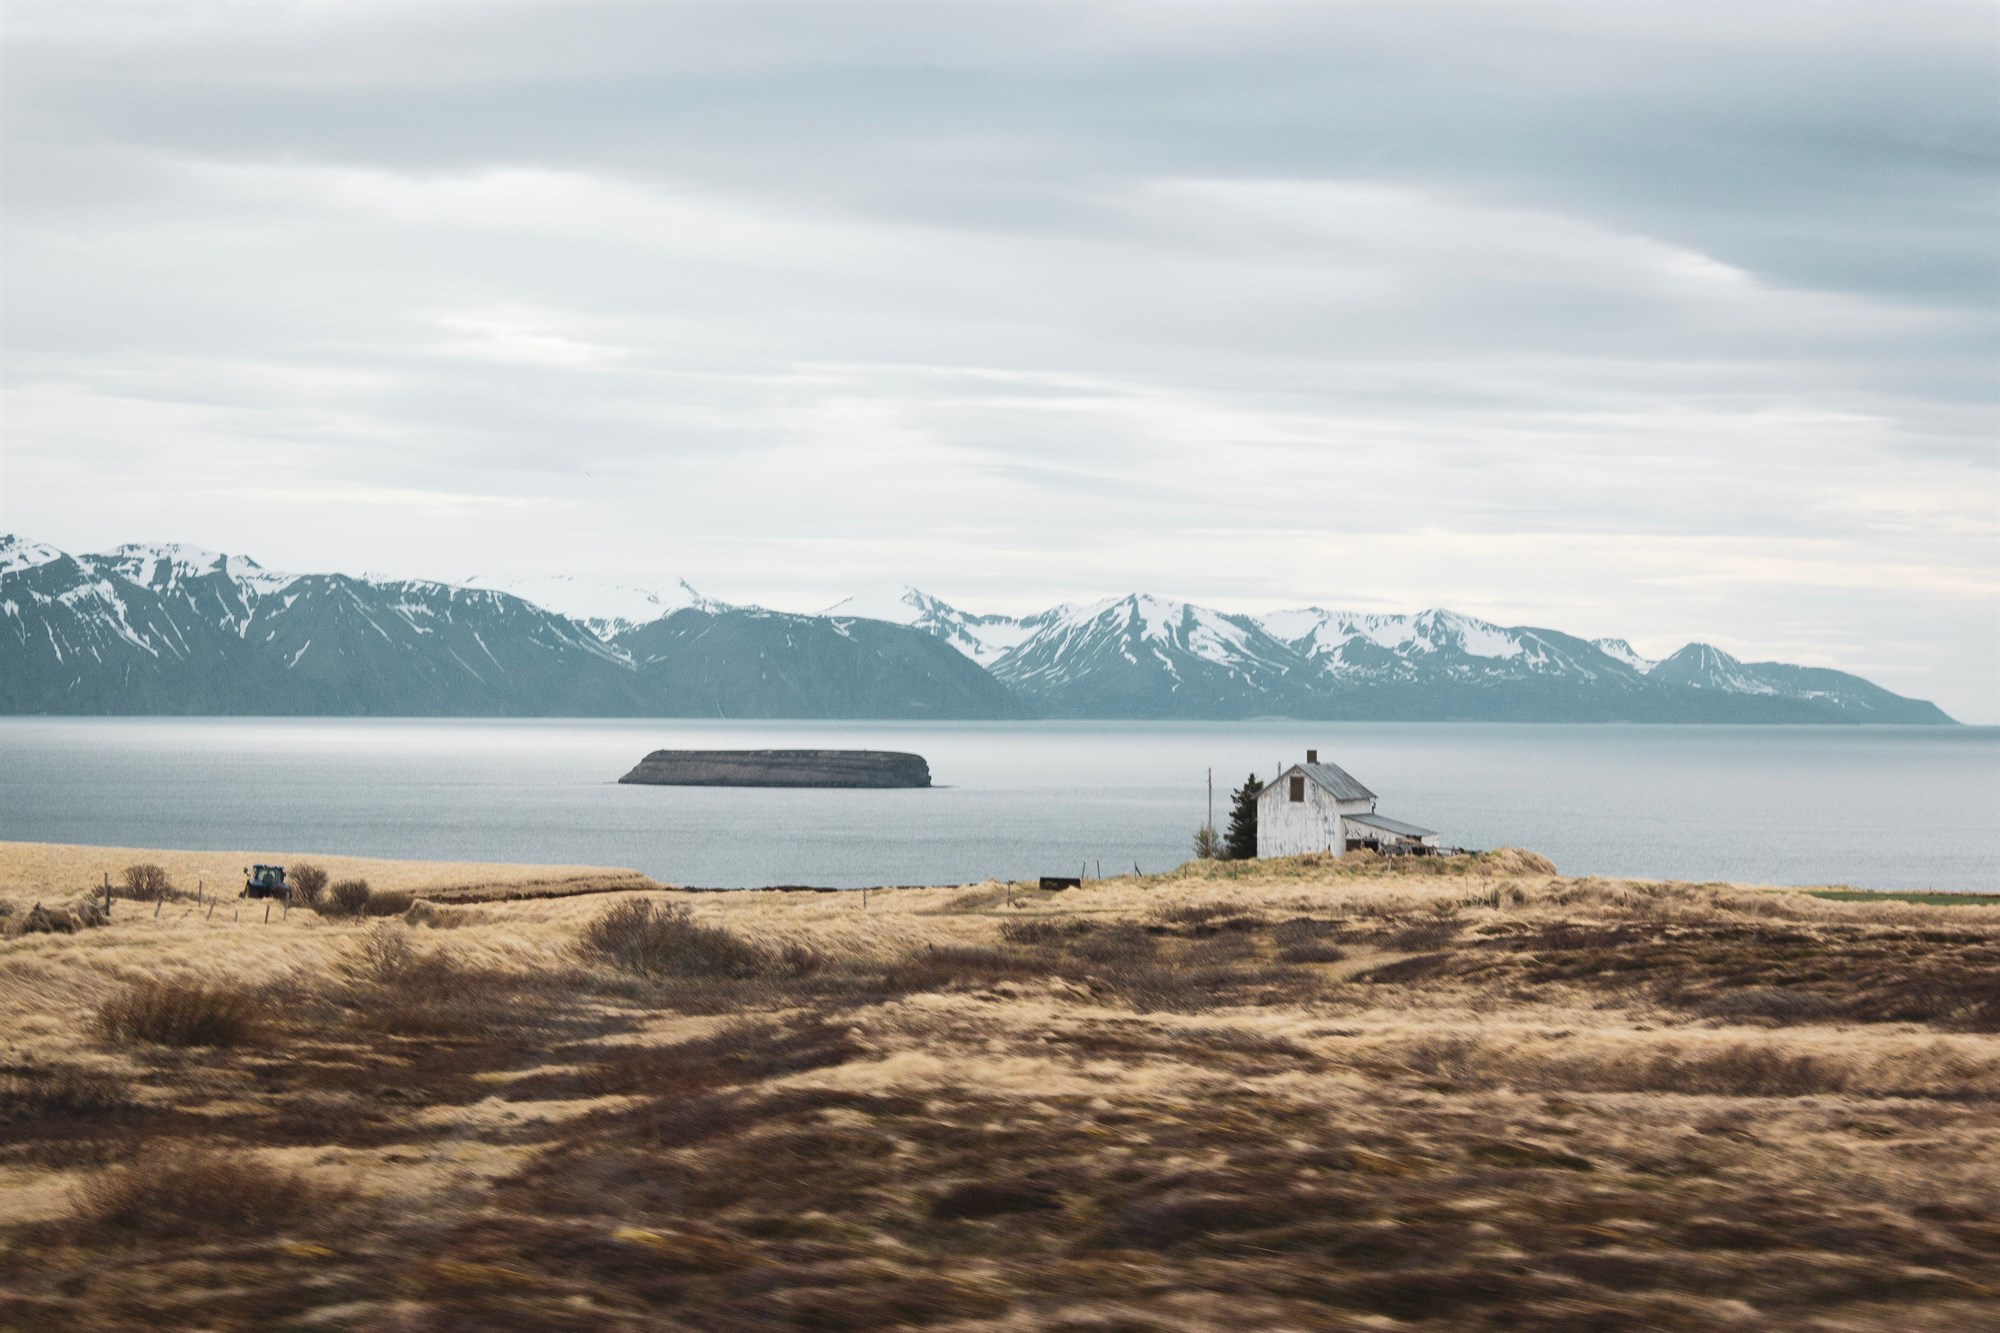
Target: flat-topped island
x=781, y=768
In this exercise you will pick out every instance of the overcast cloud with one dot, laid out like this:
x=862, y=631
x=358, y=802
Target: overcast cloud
x=1667, y=322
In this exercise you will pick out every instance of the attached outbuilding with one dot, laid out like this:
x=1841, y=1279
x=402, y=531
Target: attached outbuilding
x=1381, y=833
x=1315, y=807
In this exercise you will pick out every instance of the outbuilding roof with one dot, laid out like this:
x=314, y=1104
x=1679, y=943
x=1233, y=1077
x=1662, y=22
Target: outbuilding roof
x=1388, y=825
x=1339, y=783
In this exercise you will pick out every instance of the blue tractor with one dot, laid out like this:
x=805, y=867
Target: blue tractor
x=265, y=882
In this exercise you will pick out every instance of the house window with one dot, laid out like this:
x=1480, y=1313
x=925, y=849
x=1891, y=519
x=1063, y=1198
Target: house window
x=1298, y=789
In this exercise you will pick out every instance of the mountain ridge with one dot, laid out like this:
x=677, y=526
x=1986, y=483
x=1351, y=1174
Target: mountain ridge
x=167, y=628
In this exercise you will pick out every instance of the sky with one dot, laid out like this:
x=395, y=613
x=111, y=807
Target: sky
x=1666, y=322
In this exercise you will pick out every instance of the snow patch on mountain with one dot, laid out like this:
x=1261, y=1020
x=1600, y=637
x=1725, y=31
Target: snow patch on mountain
x=166, y=566
x=1156, y=635
x=605, y=609
x=1701, y=667
x=18, y=553
x=1620, y=651
x=983, y=638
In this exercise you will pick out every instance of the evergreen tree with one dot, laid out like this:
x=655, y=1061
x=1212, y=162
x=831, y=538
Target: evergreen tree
x=1241, y=845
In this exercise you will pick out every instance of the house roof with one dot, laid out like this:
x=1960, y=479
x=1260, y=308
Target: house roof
x=1339, y=783
x=1388, y=825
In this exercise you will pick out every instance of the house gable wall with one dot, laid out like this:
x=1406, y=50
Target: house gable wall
x=1292, y=828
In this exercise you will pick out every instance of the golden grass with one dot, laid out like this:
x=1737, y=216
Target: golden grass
x=34, y=870
x=1505, y=1099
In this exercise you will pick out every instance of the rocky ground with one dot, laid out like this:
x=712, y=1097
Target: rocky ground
x=1320, y=1093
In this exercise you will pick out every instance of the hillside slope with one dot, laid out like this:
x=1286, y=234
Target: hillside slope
x=1460, y=1096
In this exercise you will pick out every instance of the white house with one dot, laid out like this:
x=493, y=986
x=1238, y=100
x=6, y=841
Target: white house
x=1315, y=807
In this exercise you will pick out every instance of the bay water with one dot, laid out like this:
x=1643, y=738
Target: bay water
x=1874, y=807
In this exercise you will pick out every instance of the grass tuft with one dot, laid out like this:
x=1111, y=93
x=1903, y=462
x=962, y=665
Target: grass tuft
x=667, y=941
x=181, y=1013
x=192, y=1190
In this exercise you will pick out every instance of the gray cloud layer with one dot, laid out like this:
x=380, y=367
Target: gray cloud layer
x=1668, y=322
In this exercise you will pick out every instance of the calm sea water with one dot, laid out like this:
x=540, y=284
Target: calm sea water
x=1872, y=807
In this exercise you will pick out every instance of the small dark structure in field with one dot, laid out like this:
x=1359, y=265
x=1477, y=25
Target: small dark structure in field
x=781, y=768
x=262, y=881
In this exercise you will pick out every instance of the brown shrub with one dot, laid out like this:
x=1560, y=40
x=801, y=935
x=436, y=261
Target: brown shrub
x=385, y=953
x=666, y=941
x=308, y=884
x=42, y=920
x=349, y=897
x=388, y=902
x=147, y=881
x=181, y=1013
x=192, y=1192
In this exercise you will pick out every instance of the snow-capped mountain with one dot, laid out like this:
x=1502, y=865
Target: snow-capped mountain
x=1141, y=656
x=1620, y=651
x=983, y=638
x=1433, y=646
x=1700, y=667
x=173, y=629
x=176, y=629
x=605, y=609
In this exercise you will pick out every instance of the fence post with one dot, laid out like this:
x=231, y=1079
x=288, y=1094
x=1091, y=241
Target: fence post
x=267, y=911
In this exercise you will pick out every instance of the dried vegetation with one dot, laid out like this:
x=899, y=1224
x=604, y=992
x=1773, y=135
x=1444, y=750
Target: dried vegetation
x=1312, y=1094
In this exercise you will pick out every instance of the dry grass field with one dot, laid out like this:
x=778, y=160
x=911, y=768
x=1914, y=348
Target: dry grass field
x=1312, y=1094
x=56, y=871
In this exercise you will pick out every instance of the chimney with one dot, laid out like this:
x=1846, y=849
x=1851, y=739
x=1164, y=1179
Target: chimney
x=1312, y=756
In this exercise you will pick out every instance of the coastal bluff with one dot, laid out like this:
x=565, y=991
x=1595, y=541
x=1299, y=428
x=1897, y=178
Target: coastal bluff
x=781, y=768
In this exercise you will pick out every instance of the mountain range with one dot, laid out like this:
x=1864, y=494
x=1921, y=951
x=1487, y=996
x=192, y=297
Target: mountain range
x=173, y=629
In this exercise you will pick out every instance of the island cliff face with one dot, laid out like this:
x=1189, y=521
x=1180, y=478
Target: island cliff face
x=781, y=768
